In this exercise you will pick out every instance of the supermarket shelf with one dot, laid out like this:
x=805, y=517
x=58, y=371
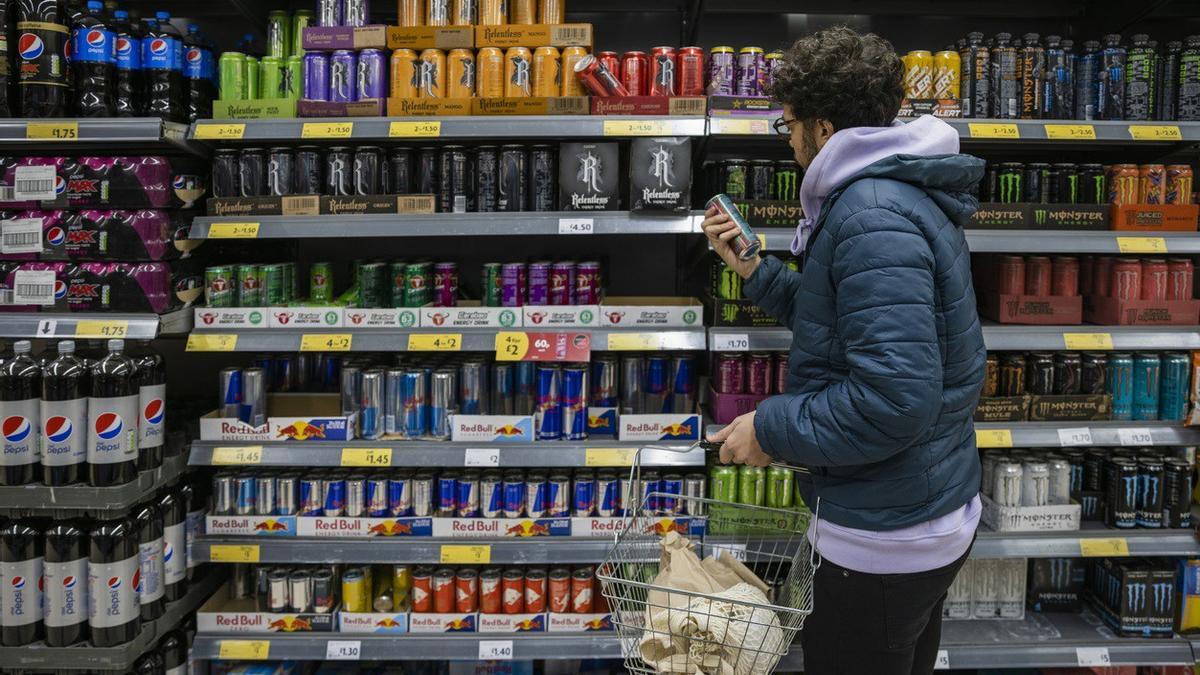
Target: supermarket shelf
x=1141, y=542
x=473, y=339
x=82, y=657
x=1045, y=434
x=1030, y=241
x=455, y=224
x=758, y=339
x=95, y=134
x=47, y=325
x=996, y=337
x=84, y=499
x=417, y=647
x=410, y=550
x=466, y=127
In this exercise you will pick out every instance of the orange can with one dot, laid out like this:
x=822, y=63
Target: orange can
x=493, y=12
x=512, y=585
x=547, y=72
x=535, y=591
x=490, y=592
x=1152, y=184
x=412, y=12
x=489, y=69
x=560, y=590
x=466, y=591
x=517, y=80
x=405, y=76
x=443, y=590
x=464, y=13
x=432, y=80
x=437, y=13
x=570, y=83
x=553, y=11
x=583, y=581
x=422, y=590
x=460, y=79
x=1123, y=182
x=523, y=11
x=1179, y=186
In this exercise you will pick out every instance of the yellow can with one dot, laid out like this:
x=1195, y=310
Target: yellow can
x=460, y=80
x=412, y=13
x=489, y=68
x=947, y=69
x=547, y=72
x=570, y=83
x=401, y=587
x=432, y=82
x=553, y=11
x=464, y=13
x=493, y=12
x=437, y=13
x=918, y=74
x=405, y=74
x=517, y=80
x=523, y=11
x=356, y=593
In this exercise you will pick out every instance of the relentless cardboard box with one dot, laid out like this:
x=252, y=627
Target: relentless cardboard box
x=533, y=105
x=329, y=38
x=1000, y=216
x=370, y=107
x=311, y=205
x=1031, y=309
x=1070, y=408
x=1155, y=217
x=660, y=174
x=1117, y=312
x=589, y=177
x=1002, y=409
x=257, y=109
x=430, y=37
x=648, y=105
x=534, y=35
x=428, y=107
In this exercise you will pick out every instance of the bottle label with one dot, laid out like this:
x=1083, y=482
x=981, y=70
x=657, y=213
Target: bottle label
x=65, y=602
x=20, y=428
x=193, y=526
x=150, y=563
x=129, y=52
x=193, y=63
x=64, y=432
x=21, y=592
x=113, y=590
x=174, y=554
x=159, y=53
x=177, y=670
x=112, y=430
x=152, y=400
x=93, y=44
x=177, y=55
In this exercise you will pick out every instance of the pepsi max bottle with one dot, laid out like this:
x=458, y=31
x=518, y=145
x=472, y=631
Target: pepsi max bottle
x=174, y=652
x=193, y=524
x=128, y=95
x=152, y=401
x=113, y=610
x=150, y=561
x=174, y=515
x=65, y=390
x=162, y=63
x=112, y=450
x=198, y=68
x=20, y=417
x=20, y=584
x=93, y=63
x=41, y=57
x=7, y=78
x=65, y=572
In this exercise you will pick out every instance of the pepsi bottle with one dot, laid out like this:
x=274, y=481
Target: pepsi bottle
x=112, y=450
x=198, y=67
x=20, y=417
x=113, y=610
x=150, y=663
x=150, y=561
x=174, y=517
x=128, y=95
x=93, y=63
x=7, y=79
x=193, y=523
x=152, y=401
x=174, y=652
x=42, y=43
x=162, y=63
x=66, y=386
x=65, y=572
x=20, y=583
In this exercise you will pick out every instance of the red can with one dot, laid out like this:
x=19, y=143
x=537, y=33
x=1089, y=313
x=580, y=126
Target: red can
x=1012, y=275
x=535, y=591
x=1152, y=183
x=635, y=73
x=466, y=591
x=599, y=602
x=1180, y=275
x=560, y=590
x=443, y=590
x=583, y=582
x=781, y=373
x=610, y=61
x=1155, y=279
x=1179, y=184
x=730, y=375
x=1126, y=279
x=1037, y=275
x=1064, y=276
x=422, y=590
x=1102, y=276
x=690, y=81
x=758, y=375
x=662, y=71
x=598, y=80
x=512, y=586
x=490, y=593
x=1085, y=274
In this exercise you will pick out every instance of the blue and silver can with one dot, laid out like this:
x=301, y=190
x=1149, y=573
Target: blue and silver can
x=1120, y=385
x=547, y=414
x=356, y=496
x=399, y=497
x=558, y=495
x=447, y=494
x=573, y=403
x=491, y=494
x=604, y=382
x=472, y=388
x=375, y=498
x=671, y=484
x=393, y=401
x=683, y=385
x=223, y=495
x=1173, y=394
x=441, y=402
x=502, y=389
x=415, y=415
x=370, y=413
x=264, y=495
x=245, y=491
x=333, y=497
x=583, y=494
x=231, y=392
x=524, y=387
x=1147, y=369
x=287, y=494
x=312, y=497
x=536, y=504
x=514, y=495
x=608, y=495
x=467, y=499
x=657, y=386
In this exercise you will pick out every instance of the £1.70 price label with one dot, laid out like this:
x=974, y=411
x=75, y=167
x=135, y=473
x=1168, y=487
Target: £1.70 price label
x=1135, y=437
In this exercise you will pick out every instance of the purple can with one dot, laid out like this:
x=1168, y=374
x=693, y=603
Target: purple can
x=512, y=284
x=343, y=77
x=781, y=373
x=758, y=375
x=539, y=283
x=562, y=284
x=771, y=63
x=721, y=64
x=356, y=13
x=372, y=74
x=730, y=373
x=748, y=81
x=445, y=284
x=587, y=283
x=329, y=12
x=316, y=76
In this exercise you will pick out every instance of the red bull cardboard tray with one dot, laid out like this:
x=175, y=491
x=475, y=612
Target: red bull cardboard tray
x=512, y=623
x=290, y=417
x=468, y=528
x=443, y=623
x=223, y=614
x=492, y=428
x=340, y=528
x=375, y=622
x=255, y=526
x=580, y=623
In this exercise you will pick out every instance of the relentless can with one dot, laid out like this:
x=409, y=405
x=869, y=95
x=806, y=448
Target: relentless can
x=343, y=76
x=460, y=79
x=489, y=63
x=518, y=72
x=546, y=72
x=597, y=79
x=372, y=74
x=746, y=245
x=405, y=74
x=689, y=72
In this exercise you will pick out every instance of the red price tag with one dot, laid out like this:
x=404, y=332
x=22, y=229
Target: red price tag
x=512, y=346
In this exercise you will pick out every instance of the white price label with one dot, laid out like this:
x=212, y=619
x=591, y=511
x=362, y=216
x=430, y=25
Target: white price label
x=343, y=650
x=943, y=660
x=21, y=235
x=33, y=287
x=495, y=650
x=731, y=342
x=575, y=226
x=735, y=551
x=1077, y=436
x=1136, y=437
x=34, y=183
x=47, y=327
x=1092, y=656
x=482, y=457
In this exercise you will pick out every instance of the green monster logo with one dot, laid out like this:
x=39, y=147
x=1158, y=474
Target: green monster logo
x=783, y=184
x=1039, y=216
x=1073, y=183
x=1101, y=193
x=1010, y=187
x=729, y=313
x=730, y=284
x=735, y=181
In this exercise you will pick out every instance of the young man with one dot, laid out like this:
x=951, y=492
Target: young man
x=887, y=356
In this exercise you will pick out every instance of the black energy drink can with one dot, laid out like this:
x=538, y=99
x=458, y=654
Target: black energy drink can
x=513, y=194
x=400, y=171
x=487, y=163
x=339, y=172
x=1121, y=494
x=543, y=162
x=310, y=171
x=974, y=80
x=281, y=172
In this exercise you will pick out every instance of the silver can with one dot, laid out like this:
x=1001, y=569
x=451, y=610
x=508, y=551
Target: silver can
x=694, y=487
x=286, y=491
x=351, y=396
x=1060, y=480
x=988, y=464
x=277, y=591
x=264, y=495
x=1035, y=483
x=422, y=494
x=1006, y=484
x=223, y=494
x=393, y=401
x=441, y=402
x=371, y=411
x=254, y=397
x=300, y=591
x=356, y=491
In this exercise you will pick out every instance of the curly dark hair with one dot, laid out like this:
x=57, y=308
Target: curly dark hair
x=852, y=80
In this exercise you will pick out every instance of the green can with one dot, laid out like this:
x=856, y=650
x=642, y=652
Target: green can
x=233, y=76
x=320, y=283
x=270, y=77
x=797, y=497
x=418, y=277
x=252, y=78
x=373, y=285
x=293, y=78
x=279, y=34
x=729, y=283
x=301, y=19
x=399, y=274
x=785, y=182
x=491, y=284
x=723, y=483
x=752, y=485
x=275, y=285
x=249, y=291
x=219, y=286
x=779, y=487
x=292, y=281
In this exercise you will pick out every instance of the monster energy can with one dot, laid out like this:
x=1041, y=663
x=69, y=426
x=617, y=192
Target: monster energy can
x=733, y=178
x=1036, y=188
x=1010, y=179
x=785, y=182
x=1093, y=188
x=1064, y=184
x=779, y=487
x=1150, y=491
x=723, y=485
x=729, y=283
x=1122, y=493
x=752, y=485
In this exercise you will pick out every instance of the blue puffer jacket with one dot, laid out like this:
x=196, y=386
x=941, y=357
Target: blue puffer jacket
x=887, y=357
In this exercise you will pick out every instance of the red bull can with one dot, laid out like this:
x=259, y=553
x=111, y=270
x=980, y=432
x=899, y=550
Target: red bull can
x=536, y=502
x=656, y=386
x=447, y=490
x=558, y=501
x=264, y=497
x=466, y=502
x=312, y=497
x=626, y=495
x=231, y=392
x=607, y=494
x=604, y=382
x=651, y=482
x=399, y=497
x=286, y=494
x=412, y=397
x=356, y=489
x=245, y=493
x=583, y=494
x=223, y=495
x=514, y=495
x=671, y=484
x=683, y=389
x=574, y=402
x=547, y=414
x=333, y=497
x=422, y=494
x=491, y=495
x=375, y=498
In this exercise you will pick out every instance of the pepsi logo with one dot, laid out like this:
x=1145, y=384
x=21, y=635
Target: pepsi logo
x=168, y=551
x=96, y=38
x=114, y=583
x=60, y=289
x=16, y=429
x=56, y=236
x=18, y=582
x=109, y=425
x=69, y=582
x=159, y=47
x=154, y=411
x=59, y=428
x=180, y=182
x=31, y=46
x=60, y=185
x=194, y=55
x=137, y=579
x=124, y=46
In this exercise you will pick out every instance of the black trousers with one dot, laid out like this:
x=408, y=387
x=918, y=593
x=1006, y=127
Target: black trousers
x=881, y=624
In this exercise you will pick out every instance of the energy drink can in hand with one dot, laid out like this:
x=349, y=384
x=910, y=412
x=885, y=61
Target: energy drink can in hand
x=746, y=244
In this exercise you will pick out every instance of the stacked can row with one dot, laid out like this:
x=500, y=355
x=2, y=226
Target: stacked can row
x=760, y=374
x=1124, y=278
x=748, y=73
x=755, y=179
x=1066, y=183
x=480, y=12
x=665, y=71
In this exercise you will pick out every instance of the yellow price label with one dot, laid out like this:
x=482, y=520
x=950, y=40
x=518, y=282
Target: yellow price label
x=993, y=130
x=327, y=130
x=377, y=457
x=1071, y=132
x=244, y=650
x=609, y=456
x=1084, y=341
x=1155, y=132
x=465, y=555
x=993, y=438
x=246, y=454
x=636, y=127
x=52, y=131
x=632, y=341
x=762, y=241
x=220, y=132
x=1142, y=244
x=234, y=553
x=326, y=342
x=1104, y=548
x=741, y=127
x=233, y=231
x=199, y=342
x=435, y=342
x=101, y=329
x=430, y=129
x=511, y=346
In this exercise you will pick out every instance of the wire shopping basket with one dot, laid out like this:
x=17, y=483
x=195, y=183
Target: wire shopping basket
x=741, y=627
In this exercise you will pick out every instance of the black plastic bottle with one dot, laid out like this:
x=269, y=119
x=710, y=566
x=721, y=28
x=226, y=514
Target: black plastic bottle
x=66, y=385
x=65, y=572
x=20, y=417
x=41, y=67
x=93, y=63
x=113, y=411
x=20, y=583
x=129, y=96
x=194, y=506
x=113, y=612
x=152, y=404
x=162, y=63
x=150, y=561
x=174, y=517
x=174, y=652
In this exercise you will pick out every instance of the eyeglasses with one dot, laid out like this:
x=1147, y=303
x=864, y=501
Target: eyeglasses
x=783, y=126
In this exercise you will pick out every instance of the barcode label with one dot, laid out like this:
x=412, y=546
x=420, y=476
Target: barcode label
x=7, y=193
x=33, y=287
x=35, y=183
x=21, y=235
x=571, y=35
x=6, y=296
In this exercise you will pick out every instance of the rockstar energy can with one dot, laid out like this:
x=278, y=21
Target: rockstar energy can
x=517, y=77
x=460, y=79
x=570, y=83
x=432, y=80
x=918, y=74
x=489, y=68
x=547, y=72
x=946, y=72
x=405, y=74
